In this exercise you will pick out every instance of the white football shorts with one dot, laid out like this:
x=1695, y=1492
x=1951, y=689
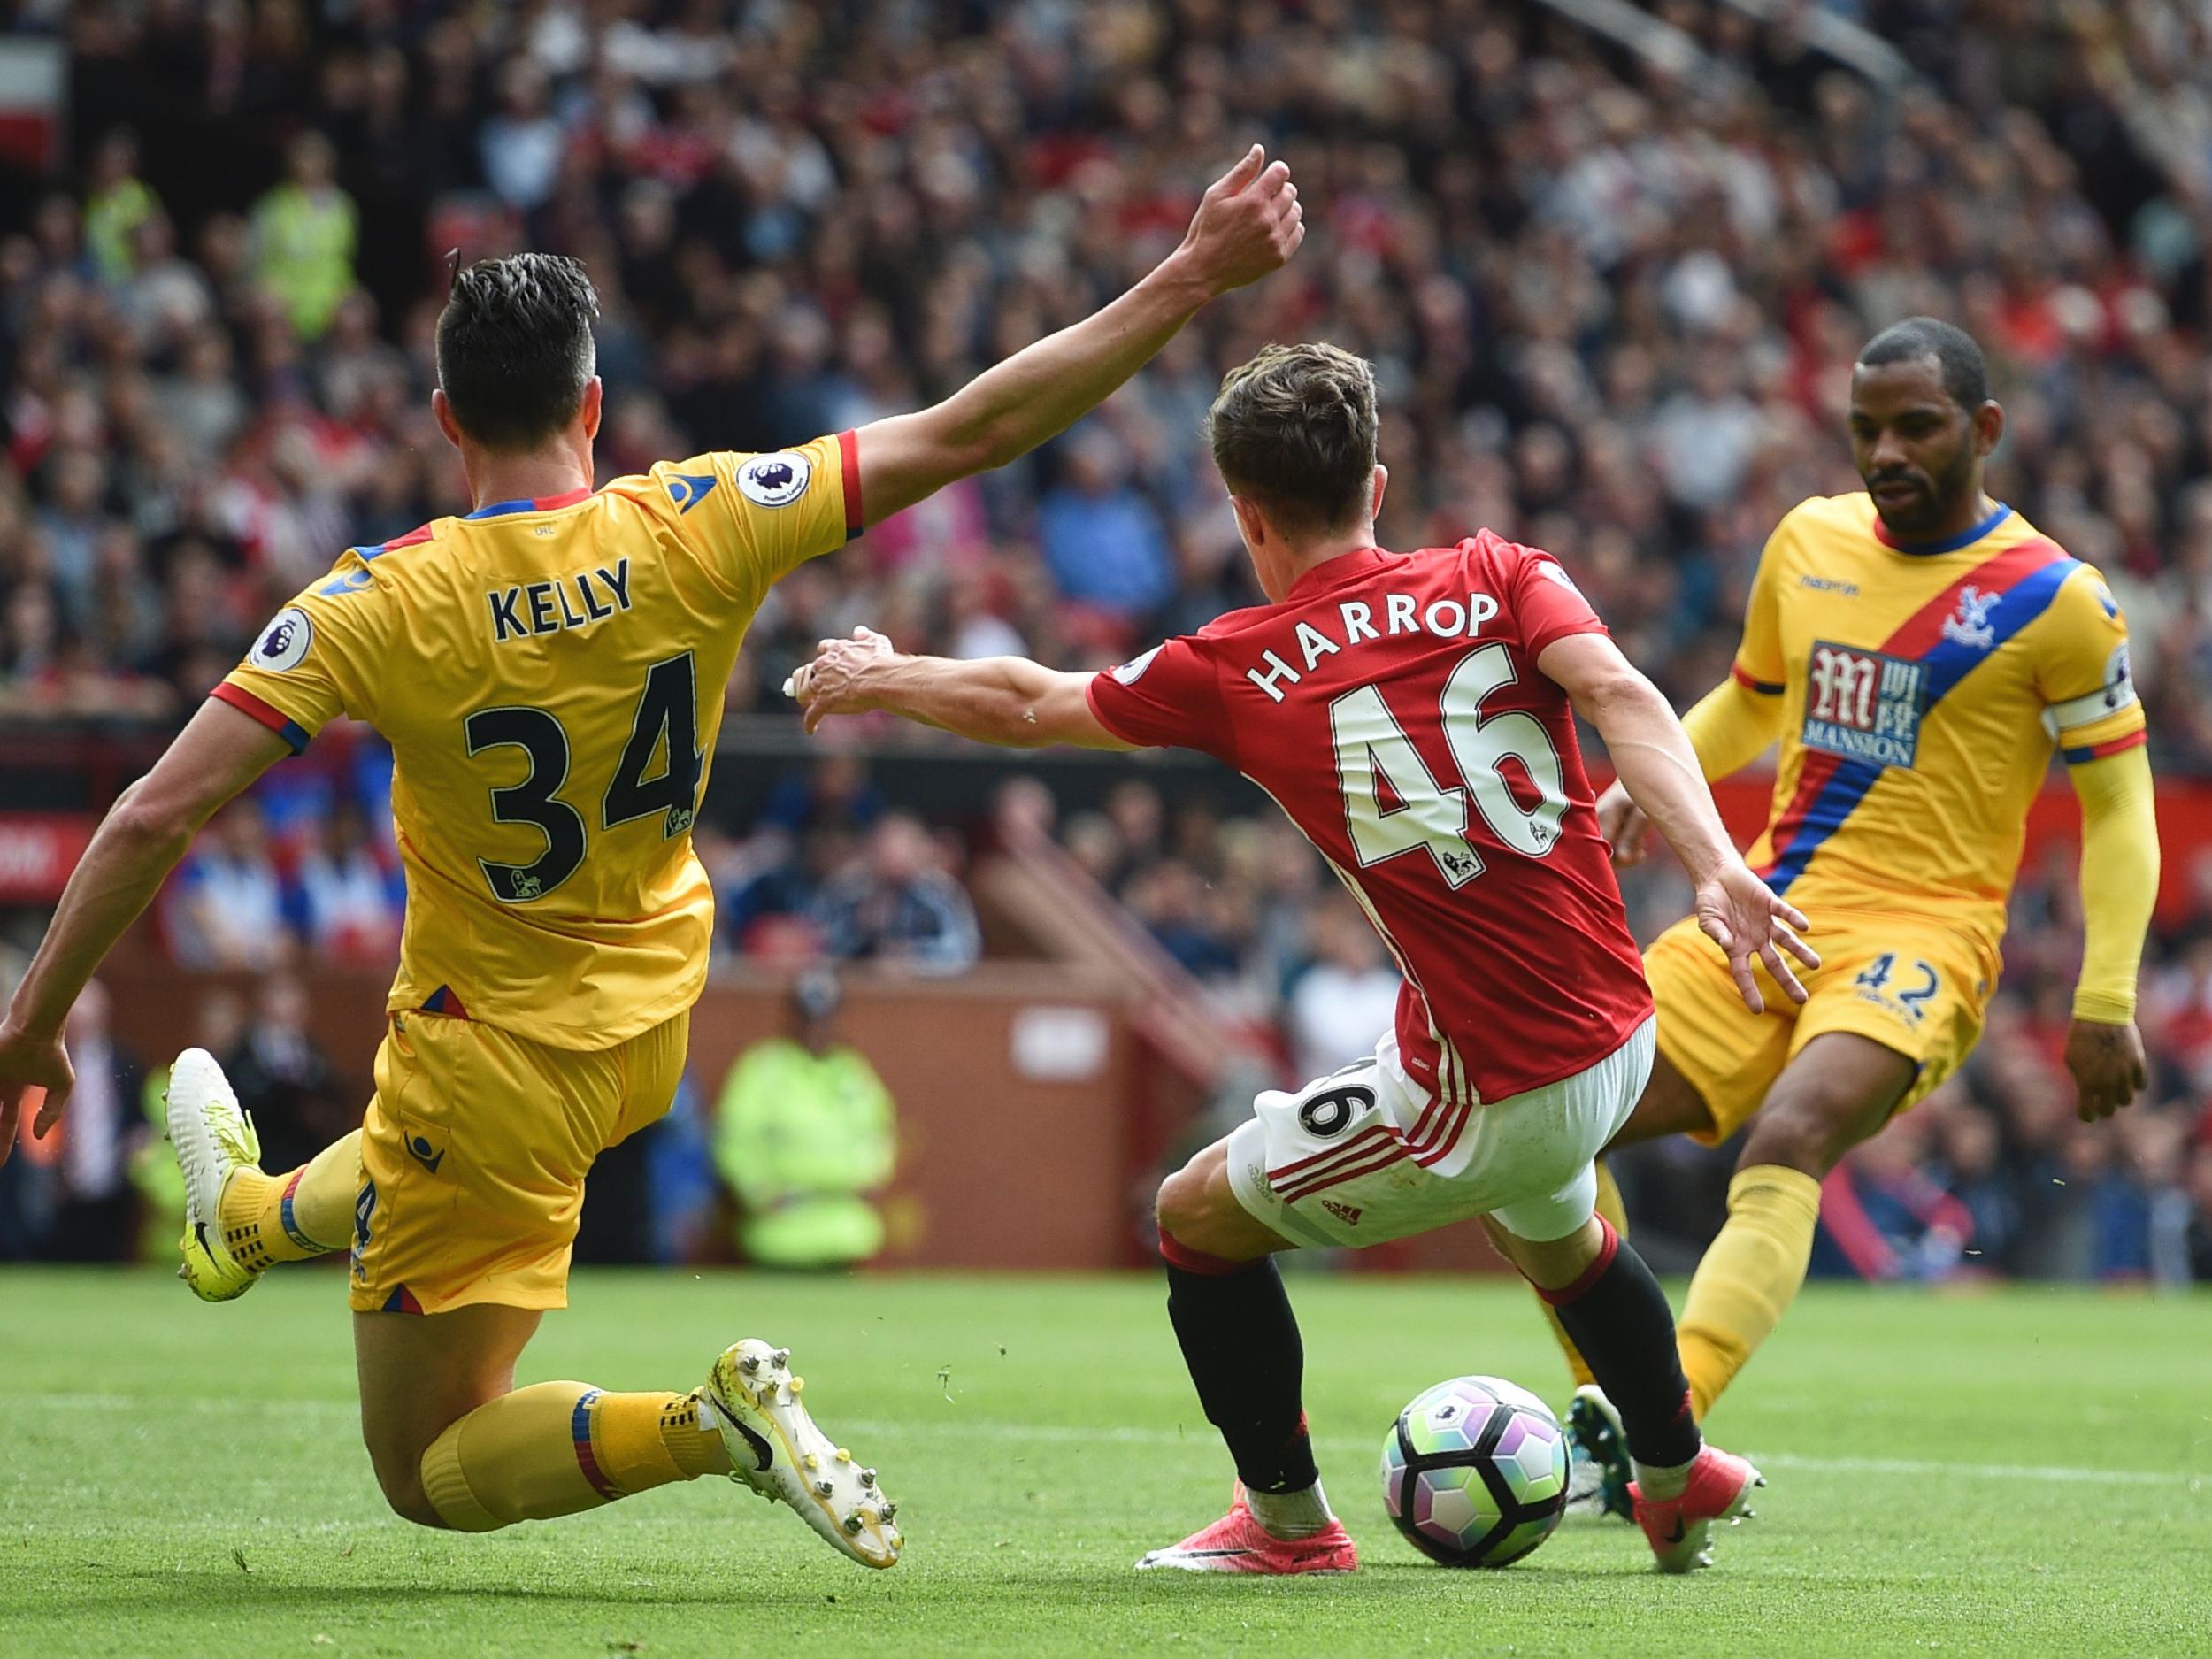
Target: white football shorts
x=1364, y=1155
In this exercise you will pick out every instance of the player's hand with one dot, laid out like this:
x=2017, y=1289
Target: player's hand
x=1249, y=223
x=832, y=683
x=1747, y=919
x=2107, y=1062
x=1627, y=830
x=35, y=1075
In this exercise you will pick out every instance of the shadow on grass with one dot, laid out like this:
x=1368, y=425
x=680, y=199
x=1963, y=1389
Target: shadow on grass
x=1072, y=1590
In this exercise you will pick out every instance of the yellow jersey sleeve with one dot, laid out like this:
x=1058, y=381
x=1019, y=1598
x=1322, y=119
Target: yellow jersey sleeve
x=2082, y=673
x=1731, y=727
x=315, y=659
x=2119, y=881
x=1759, y=665
x=752, y=518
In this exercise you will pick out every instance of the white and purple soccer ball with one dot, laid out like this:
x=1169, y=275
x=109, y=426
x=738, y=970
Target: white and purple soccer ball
x=1474, y=1472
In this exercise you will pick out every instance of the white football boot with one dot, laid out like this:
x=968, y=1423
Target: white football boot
x=1598, y=1471
x=1585, y=1482
x=752, y=1397
x=213, y=1136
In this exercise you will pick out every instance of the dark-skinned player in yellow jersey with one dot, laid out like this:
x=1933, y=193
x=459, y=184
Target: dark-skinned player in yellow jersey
x=1919, y=650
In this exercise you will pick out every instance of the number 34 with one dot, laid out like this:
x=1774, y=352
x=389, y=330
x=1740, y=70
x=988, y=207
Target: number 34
x=667, y=711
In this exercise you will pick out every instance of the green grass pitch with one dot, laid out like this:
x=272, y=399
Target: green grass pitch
x=2024, y=1472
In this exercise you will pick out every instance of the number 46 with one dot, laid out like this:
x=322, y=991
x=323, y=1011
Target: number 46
x=1370, y=746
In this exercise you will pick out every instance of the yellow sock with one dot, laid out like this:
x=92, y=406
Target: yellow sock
x=1749, y=1278
x=556, y=1447
x=289, y=1217
x=1609, y=1207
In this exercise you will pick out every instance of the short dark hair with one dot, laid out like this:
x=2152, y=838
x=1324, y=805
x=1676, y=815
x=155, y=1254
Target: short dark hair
x=1964, y=371
x=1294, y=429
x=515, y=350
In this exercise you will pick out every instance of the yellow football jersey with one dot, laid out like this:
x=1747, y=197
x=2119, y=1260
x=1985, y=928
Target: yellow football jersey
x=1923, y=691
x=549, y=675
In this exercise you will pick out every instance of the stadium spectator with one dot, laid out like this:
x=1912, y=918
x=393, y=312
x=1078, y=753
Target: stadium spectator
x=897, y=906
x=1966, y=1165
x=225, y=908
x=1189, y=921
x=834, y=794
x=117, y=203
x=304, y=235
x=1101, y=537
x=346, y=898
x=1347, y=998
x=92, y=1219
x=804, y=1136
x=522, y=143
x=282, y=1077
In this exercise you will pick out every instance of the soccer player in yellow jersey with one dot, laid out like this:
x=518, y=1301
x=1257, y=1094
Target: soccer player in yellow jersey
x=1919, y=650
x=550, y=671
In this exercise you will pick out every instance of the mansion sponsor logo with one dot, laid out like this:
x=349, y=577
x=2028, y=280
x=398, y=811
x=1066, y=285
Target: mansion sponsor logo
x=1863, y=705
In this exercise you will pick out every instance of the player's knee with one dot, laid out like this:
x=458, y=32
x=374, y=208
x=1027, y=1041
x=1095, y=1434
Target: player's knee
x=1195, y=1208
x=408, y=1500
x=1179, y=1208
x=399, y=1477
x=1808, y=1132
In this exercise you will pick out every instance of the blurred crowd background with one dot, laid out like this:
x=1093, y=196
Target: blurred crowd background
x=1612, y=295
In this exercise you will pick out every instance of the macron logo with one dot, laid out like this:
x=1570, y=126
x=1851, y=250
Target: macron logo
x=688, y=489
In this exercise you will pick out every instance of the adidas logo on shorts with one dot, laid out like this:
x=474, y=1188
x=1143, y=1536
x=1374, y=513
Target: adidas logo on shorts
x=1348, y=1214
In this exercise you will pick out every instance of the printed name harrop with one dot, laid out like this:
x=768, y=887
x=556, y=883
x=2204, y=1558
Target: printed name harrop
x=1446, y=618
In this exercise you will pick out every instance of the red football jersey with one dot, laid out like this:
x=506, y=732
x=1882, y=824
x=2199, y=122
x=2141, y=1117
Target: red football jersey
x=1393, y=708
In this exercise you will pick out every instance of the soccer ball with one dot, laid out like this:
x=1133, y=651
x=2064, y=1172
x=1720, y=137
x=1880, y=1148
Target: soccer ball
x=1474, y=1472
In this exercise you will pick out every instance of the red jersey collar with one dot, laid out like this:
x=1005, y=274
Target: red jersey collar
x=1334, y=572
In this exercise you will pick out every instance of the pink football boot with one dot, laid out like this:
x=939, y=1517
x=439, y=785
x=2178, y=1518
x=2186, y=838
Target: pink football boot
x=1238, y=1543
x=1679, y=1530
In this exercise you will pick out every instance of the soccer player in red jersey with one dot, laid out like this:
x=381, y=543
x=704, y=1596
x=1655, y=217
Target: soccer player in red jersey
x=527, y=662
x=1414, y=717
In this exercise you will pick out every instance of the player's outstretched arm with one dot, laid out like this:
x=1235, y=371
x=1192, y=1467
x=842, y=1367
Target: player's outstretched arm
x=137, y=845
x=1009, y=701
x=1247, y=223
x=2119, y=888
x=1659, y=772
x=1729, y=727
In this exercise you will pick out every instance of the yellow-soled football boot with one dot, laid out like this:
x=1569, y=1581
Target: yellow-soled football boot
x=213, y=1136
x=775, y=1449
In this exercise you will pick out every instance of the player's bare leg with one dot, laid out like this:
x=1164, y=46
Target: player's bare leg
x=1839, y=1090
x=1619, y=1316
x=420, y=1374
x=1670, y=1105
x=1241, y=1340
x=455, y=1444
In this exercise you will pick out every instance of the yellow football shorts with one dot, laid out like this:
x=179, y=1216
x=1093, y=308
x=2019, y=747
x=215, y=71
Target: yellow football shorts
x=1916, y=988
x=473, y=1154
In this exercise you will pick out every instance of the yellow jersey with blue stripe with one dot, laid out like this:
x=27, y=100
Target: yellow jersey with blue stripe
x=550, y=674
x=1923, y=690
